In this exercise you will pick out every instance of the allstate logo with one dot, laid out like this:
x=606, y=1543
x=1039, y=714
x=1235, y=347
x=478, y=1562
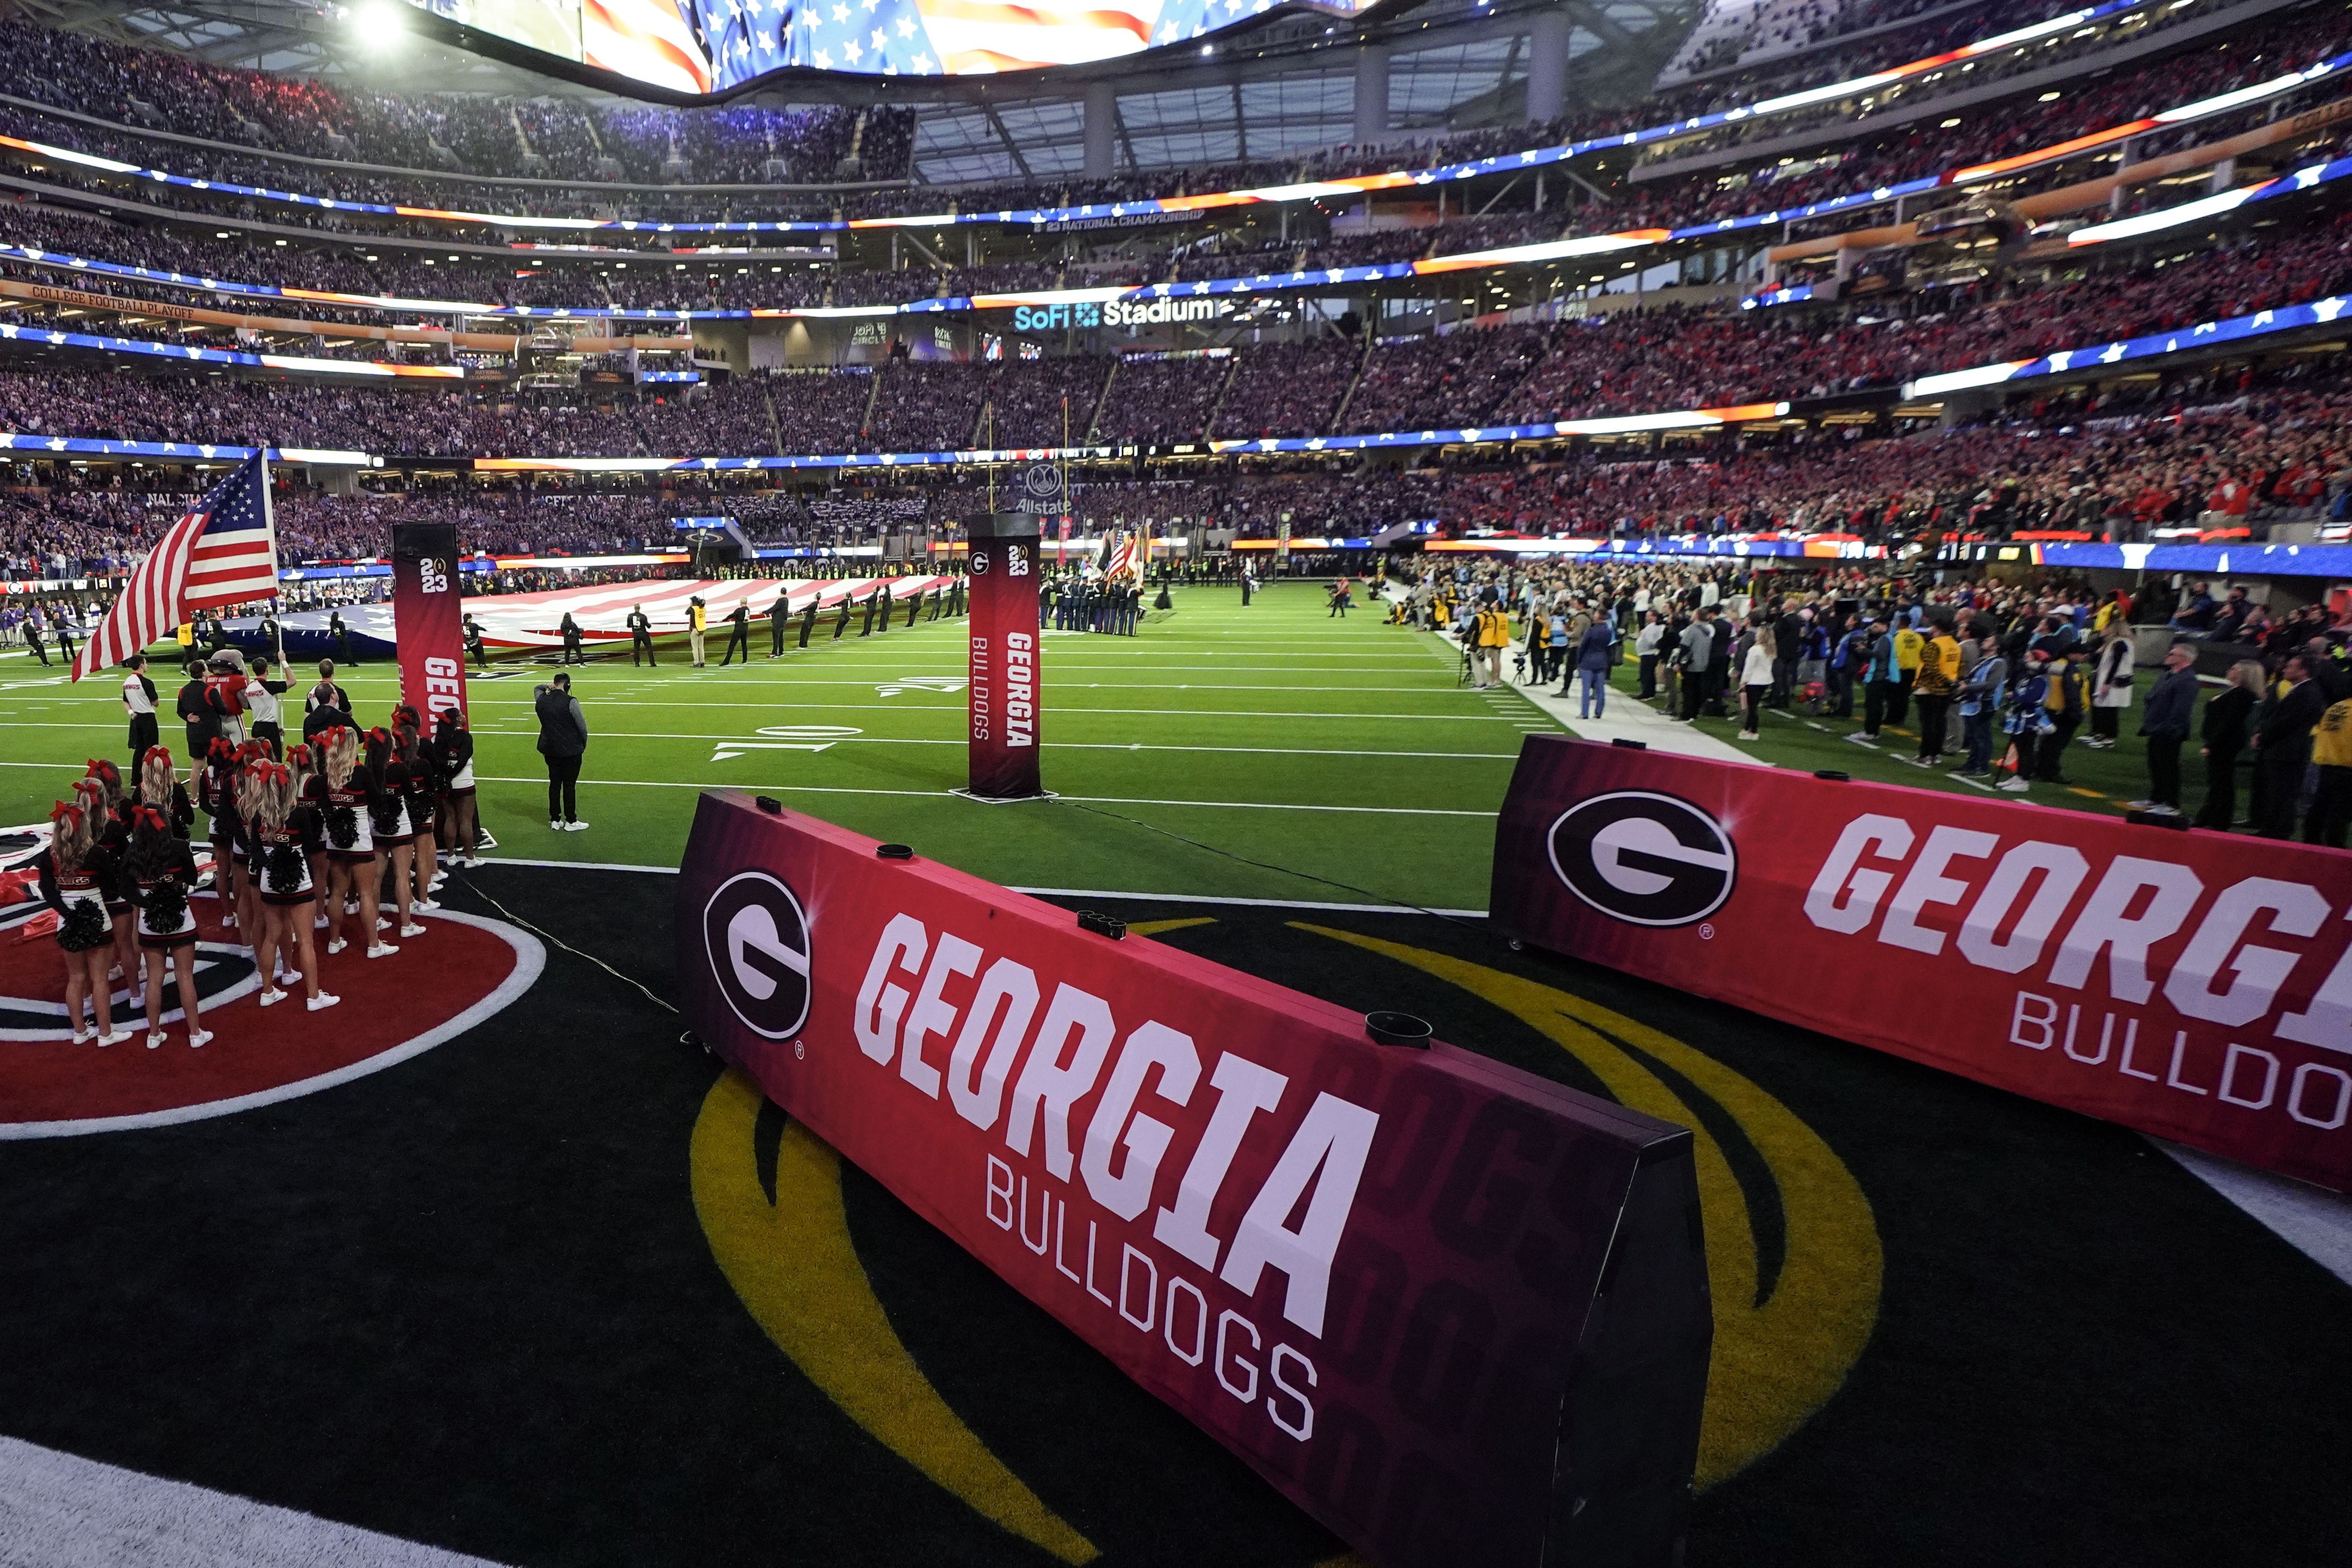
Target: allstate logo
x=758, y=938
x=1042, y=481
x=1644, y=859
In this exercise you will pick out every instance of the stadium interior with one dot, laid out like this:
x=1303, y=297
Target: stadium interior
x=1338, y=329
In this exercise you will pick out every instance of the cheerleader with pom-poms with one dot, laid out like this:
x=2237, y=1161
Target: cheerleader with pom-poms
x=424, y=794
x=287, y=835
x=74, y=883
x=108, y=812
x=162, y=873
x=354, y=872
x=311, y=790
x=217, y=793
x=453, y=760
x=395, y=840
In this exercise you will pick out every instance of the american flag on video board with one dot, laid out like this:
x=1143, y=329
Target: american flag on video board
x=224, y=552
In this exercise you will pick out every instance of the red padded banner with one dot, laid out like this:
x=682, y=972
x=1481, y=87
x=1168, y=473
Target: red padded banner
x=1374, y=1272
x=2190, y=984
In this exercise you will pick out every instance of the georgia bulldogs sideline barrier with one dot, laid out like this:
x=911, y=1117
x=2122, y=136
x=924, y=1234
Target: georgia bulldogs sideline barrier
x=2185, y=984
x=1456, y=1313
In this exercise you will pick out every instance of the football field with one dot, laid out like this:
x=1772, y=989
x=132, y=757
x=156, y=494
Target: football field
x=1284, y=745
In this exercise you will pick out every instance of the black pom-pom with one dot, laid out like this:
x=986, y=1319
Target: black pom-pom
x=343, y=825
x=85, y=926
x=285, y=868
x=167, y=906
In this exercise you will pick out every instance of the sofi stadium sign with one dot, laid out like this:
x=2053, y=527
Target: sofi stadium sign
x=1123, y=312
x=1374, y=1272
x=2188, y=985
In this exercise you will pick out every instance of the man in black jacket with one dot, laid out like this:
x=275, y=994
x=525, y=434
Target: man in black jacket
x=2283, y=749
x=778, y=614
x=739, y=635
x=641, y=637
x=203, y=720
x=563, y=740
x=2165, y=722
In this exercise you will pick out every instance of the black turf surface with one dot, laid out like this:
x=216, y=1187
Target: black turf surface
x=467, y=1301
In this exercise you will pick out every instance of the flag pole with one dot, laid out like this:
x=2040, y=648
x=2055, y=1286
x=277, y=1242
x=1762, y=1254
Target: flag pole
x=269, y=525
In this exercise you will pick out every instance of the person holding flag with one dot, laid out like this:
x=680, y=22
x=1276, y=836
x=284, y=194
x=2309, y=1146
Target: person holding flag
x=224, y=552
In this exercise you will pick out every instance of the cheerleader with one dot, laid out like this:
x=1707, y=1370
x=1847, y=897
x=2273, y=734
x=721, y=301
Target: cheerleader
x=453, y=759
x=244, y=849
x=354, y=872
x=110, y=815
x=74, y=882
x=396, y=848
x=217, y=793
x=424, y=794
x=286, y=837
x=161, y=789
x=160, y=872
x=311, y=790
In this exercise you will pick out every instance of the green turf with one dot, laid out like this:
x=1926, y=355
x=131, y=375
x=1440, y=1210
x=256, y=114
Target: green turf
x=1344, y=750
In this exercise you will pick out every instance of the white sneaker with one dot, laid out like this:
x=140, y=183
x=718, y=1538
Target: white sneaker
x=381, y=950
x=228, y=921
x=290, y=977
x=423, y=904
x=470, y=861
x=139, y=1000
x=197, y=1038
x=1859, y=739
x=83, y=1036
x=337, y=946
x=382, y=923
x=2015, y=786
x=575, y=828
x=412, y=928
x=320, y=923
x=557, y=826
x=1750, y=735
x=321, y=999
x=116, y=1038
x=271, y=997
x=155, y=1038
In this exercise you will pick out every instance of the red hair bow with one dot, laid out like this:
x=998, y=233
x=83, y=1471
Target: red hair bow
x=61, y=812
x=147, y=816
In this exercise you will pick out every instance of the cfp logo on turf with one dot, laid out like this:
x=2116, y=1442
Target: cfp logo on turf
x=758, y=939
x=433, y=576
x=1647, y=859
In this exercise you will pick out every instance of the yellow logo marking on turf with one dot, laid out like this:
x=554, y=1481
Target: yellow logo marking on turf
x=1775, y=1362
x=794, y=1266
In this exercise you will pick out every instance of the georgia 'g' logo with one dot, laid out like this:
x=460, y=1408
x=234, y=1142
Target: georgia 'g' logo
x=978, y=565
x=758, y=938
x=1645, y=859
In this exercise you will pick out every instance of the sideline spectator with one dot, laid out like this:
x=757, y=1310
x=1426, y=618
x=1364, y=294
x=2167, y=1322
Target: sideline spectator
x=2228, y=716
x=2165, y=722
x=2283, y=750
x=563, y=740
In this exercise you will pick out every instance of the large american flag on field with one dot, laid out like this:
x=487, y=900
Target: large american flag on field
x=224, y=552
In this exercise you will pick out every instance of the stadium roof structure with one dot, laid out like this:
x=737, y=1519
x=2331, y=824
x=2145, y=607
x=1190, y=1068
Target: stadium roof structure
x=1281, y=86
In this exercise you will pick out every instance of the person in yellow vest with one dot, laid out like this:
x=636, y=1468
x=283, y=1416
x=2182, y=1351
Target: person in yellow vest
x=186, y=634
x=1490, y=634
x=1908, y=646
x=2331, y=749
x=1935, y=678
x=697, y=618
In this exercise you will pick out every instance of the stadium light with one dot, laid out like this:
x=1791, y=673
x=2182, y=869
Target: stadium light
x=381, y=24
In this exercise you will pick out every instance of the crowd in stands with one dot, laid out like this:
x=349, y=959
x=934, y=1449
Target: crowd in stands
x=468, y=133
